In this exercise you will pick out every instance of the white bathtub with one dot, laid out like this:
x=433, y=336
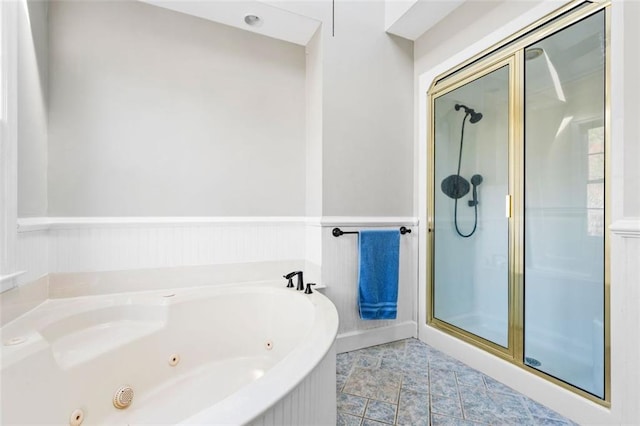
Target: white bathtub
x=248, y=353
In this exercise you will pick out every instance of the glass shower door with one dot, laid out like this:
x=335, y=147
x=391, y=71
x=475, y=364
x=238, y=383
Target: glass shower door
x=471, y=231
x=564, y=205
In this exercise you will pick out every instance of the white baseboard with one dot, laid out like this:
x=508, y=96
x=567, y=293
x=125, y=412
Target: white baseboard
x=359, y=339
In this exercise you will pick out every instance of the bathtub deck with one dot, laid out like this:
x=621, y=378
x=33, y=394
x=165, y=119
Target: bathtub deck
x=410, y=383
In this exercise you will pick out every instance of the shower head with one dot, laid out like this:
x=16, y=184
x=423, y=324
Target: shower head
x=474, y=116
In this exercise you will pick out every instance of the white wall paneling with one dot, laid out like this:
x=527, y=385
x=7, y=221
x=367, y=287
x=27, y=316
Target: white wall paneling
x=103, y=244
x=340, y=275
x=99, y=249
x=625, y=318
x=32, y=255
x=312, y=402
x=313, y=241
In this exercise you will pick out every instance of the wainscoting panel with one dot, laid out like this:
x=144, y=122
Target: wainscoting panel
x=625, y=318
x=311, y=403
x=32, y=255
x=340, y=275
x=117, y=245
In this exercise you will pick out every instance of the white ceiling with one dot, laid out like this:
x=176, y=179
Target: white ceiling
x=406, y=18
x=276, y=22
x=411, y=19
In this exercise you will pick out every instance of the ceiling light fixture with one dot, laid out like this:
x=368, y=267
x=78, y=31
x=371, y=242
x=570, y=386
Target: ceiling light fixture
x=253, y=20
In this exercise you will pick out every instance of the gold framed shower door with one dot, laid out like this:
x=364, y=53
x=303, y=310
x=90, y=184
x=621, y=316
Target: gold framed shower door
x=511, y=52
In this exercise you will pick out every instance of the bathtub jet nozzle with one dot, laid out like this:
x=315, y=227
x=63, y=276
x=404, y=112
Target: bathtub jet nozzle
x=123, y=397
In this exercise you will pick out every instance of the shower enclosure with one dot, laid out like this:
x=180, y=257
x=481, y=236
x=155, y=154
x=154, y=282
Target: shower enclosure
x=518, y=201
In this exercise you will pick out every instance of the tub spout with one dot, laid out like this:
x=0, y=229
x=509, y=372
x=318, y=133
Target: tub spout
x=300, y=285
x=290, y=276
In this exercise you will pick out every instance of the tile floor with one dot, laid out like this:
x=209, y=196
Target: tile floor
x=410, y=383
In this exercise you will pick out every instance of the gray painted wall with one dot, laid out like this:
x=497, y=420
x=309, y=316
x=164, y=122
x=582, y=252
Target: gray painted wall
x=32, y=108
x=368, y=116
x=155, y=113
x=367, y=111
x=631, y=110
x=464, y=26
x=314, y=125
x=149, y=117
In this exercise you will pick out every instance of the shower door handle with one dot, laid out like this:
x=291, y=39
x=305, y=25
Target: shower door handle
x=507, y=206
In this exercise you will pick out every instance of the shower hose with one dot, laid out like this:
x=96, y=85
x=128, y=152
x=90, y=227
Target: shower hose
x=455, y=205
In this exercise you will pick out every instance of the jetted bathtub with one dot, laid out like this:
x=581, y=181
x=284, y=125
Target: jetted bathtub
x=235, y=354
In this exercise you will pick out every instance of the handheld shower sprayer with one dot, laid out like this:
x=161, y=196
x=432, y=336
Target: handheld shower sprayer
x=475, y=181
x=455, y=186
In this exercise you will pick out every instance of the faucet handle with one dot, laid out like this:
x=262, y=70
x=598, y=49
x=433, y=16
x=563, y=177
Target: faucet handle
x=289, y=277
x=308, y=290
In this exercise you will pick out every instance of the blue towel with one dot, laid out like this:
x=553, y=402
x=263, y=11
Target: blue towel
x=378, y=279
